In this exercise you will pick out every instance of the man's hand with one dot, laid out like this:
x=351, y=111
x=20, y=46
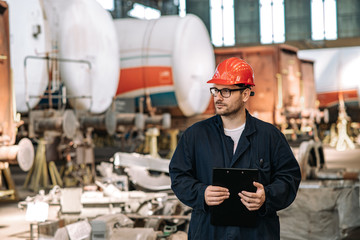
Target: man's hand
x=253, y=201
x=215, y=195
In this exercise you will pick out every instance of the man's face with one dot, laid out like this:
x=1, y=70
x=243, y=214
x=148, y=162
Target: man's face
x=231, y=105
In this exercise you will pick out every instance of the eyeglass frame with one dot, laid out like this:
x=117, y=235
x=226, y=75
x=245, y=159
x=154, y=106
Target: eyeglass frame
x=224, y=89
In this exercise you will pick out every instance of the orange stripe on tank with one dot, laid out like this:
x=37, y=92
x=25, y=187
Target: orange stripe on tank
x=327, y=99
x=143, y=77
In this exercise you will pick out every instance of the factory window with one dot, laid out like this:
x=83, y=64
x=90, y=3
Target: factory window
x=222, y=22
x=143, y=12
x=272, y=21
x=323, y=20
x=182, y=8
x=107, y=4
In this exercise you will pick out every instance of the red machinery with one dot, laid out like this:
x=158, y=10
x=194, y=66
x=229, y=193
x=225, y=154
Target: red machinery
x=10, y=152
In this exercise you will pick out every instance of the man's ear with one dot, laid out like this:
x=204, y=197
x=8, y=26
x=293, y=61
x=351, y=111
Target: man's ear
x=246, y=94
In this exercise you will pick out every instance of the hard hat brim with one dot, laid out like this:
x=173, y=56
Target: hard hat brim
x=226, y=82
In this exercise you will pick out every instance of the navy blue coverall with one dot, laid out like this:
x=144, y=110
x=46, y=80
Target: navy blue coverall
x=204, y=146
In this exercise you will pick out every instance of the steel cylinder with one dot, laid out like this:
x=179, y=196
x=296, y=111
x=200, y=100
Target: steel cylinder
x=22, y=153
x=170, y=59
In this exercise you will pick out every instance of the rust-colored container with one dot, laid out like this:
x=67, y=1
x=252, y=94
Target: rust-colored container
x=24, y=151
x=7, y=125
x=282, y=91
x=308, y=89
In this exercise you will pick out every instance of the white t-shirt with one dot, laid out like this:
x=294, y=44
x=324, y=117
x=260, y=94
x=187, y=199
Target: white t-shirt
x=235, y=134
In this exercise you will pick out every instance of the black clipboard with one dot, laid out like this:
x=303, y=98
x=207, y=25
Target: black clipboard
x=232, y=212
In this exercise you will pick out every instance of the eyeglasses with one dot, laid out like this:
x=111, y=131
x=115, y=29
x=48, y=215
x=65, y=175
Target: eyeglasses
x=225, y=92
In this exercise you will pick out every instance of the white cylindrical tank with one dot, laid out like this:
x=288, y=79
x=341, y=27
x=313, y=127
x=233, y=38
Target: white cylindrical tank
x=336, y=69
x=85, y=31
x=28, y=37
x=170, y=58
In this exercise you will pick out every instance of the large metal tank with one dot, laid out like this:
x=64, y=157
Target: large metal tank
x=86, y=39
x=337, y=73
x=169, y=59
x=28, y=37
x=336, y=69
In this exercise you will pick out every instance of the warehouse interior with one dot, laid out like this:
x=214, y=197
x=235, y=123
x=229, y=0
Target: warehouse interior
x=95, y=95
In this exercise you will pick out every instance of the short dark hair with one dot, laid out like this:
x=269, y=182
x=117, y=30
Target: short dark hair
x=242, y=85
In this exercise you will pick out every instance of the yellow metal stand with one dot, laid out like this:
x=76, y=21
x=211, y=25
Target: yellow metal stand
x=38, y=176
x=10, y=193
x=153, y=133
x=173, y=141
x=150, y=146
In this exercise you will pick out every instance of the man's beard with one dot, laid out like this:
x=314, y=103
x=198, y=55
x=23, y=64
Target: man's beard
x=228, y=112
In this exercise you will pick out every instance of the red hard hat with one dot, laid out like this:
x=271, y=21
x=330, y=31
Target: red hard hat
x=233, y=71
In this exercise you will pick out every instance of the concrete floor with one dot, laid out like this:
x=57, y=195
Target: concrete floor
x=12, y=222
x=14, y=226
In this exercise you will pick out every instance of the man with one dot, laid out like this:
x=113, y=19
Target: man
x=234, y=139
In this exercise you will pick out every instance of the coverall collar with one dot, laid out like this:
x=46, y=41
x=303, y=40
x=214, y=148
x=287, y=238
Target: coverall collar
x=243, y=143
x=249, y=124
